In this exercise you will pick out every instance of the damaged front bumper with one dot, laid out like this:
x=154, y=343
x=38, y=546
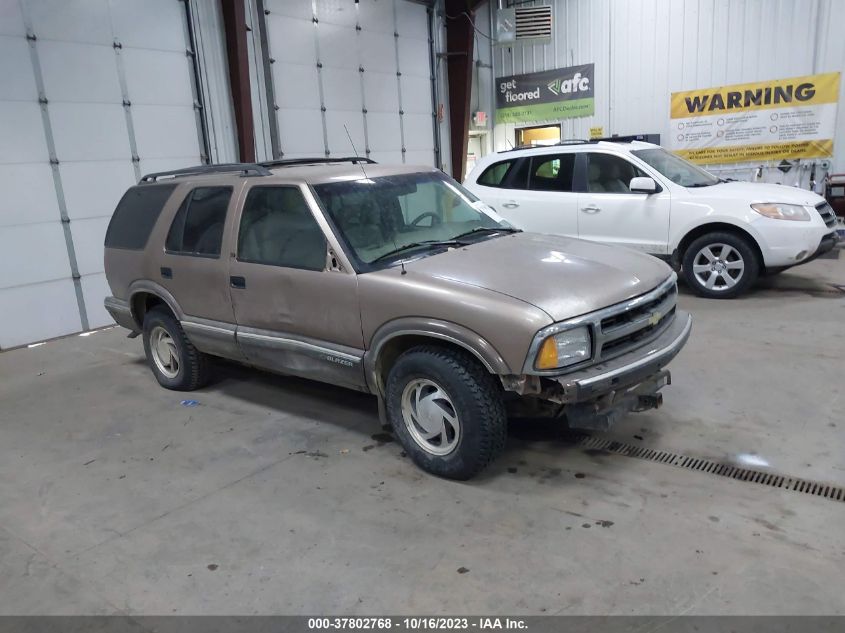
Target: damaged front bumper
x=595, y=397
x=629, y=369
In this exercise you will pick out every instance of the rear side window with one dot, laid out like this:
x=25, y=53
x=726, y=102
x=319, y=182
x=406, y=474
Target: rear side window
x=552, y=173
x=197, y=228
x=136, y=215
x=495, y=174
x=278, y=228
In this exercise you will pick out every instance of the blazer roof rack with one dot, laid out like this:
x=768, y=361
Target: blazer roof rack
x=246, y=169
x=289, y=162
x=571, y=141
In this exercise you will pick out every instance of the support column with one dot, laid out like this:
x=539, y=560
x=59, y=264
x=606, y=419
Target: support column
x=460, y=40
x=234, y=24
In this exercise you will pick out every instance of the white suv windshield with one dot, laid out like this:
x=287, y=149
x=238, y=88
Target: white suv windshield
x=381, y=215
x=675, y=168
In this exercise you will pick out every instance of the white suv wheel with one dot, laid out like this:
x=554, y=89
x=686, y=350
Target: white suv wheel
x=718, y=267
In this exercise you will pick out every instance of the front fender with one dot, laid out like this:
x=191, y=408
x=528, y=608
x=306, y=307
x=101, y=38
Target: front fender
x=746, y=227
x=435, y=329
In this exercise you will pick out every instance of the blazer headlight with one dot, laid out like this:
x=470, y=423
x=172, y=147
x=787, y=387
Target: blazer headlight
x=569, y=347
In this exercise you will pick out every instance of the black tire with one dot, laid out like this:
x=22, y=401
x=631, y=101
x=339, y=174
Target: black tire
x=475, y=396
x=738, y=248
x=192, y=371
x=772, y=272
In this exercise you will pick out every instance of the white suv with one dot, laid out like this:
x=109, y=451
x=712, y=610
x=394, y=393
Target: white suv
x=722, y=234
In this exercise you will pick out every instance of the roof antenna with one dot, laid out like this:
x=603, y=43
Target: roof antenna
x=363, y=171
x=360, y=162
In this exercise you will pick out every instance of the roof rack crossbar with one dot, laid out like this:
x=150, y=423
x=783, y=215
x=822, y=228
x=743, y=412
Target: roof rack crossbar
x=246, y=169
x=288, y=162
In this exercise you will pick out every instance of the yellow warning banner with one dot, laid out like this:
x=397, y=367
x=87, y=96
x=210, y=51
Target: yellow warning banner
x=762, y=151
x=780, y=93
x=783, y=118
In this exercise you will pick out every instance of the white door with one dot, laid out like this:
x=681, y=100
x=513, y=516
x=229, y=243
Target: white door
x=493, y=185
x=351, y=78
x=534, y=194
x=548, y=203
x=608, y=212
x=92, y=95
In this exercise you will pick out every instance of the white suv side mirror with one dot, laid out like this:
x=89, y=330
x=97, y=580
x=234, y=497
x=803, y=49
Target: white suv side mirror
x=642, y=184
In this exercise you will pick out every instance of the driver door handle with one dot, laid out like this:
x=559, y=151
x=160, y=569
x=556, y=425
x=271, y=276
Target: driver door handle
x=591, y=209
x=511, y=204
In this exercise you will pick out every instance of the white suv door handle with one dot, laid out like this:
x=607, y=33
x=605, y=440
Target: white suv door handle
x=511, y=204
x=591, y=209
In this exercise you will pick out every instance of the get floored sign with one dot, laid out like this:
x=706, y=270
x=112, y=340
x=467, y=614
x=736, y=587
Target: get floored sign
x=545, y=96
x=785, y=118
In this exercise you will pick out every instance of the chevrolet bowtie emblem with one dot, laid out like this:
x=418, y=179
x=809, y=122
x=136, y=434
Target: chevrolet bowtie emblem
x=654, y=319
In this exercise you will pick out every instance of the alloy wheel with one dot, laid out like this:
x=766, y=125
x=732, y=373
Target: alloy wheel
x=718, y=267
x=164, y=352
x=430, y=416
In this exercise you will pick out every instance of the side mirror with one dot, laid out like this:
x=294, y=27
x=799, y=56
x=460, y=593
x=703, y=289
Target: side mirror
x=642, y=184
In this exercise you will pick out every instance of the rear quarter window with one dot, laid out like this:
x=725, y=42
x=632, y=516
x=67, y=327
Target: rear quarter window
x=197, y=228
x=495, y=174
x=135, y=216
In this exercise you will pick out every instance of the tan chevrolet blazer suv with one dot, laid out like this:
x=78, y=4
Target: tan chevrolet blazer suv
x=395, y=281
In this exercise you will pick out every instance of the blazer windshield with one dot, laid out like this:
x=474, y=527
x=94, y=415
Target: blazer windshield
x=380, y=215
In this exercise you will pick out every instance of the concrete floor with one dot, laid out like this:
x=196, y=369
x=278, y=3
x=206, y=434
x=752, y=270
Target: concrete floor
x=272, y=496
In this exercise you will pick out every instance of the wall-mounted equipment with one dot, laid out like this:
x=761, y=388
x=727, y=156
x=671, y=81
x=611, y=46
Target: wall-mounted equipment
x=518, y=25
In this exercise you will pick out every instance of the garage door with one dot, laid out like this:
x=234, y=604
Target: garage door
x=339, y=66
x=93, y=94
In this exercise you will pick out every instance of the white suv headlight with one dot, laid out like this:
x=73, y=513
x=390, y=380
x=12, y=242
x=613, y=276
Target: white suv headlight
x=565, y=348
x=779, y=211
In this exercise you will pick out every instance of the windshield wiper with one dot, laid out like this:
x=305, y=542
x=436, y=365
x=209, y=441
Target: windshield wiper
x=702, y=184
x=482, y=229
x=413, y=245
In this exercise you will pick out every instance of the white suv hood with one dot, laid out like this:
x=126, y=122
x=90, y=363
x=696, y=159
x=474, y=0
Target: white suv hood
x=753, y=192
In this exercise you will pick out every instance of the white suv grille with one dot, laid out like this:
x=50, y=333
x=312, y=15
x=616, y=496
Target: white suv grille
x=826, y=211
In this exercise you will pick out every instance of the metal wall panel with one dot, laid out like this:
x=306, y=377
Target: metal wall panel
x=341, y=69
x=22, y=132
x=830, y=55
x=12, y=22
x=38, y=311
x=91, y=92
x=646, y=49
x=213, y=85
x=94, y=287
x=32, y=253
x=28, y=196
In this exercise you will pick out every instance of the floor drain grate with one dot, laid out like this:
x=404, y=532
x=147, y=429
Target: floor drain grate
x=827, y=289
x=806, y=486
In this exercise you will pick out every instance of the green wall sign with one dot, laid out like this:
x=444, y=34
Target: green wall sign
x=548, y=95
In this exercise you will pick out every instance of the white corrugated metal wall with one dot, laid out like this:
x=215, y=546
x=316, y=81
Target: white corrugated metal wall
x=646, y=49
